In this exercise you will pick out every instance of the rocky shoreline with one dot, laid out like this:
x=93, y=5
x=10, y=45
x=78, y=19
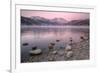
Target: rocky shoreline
x=77, y=51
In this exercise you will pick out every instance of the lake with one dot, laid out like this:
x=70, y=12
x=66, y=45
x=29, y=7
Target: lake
x=44, y=35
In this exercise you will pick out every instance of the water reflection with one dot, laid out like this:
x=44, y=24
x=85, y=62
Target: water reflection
x=63, y=34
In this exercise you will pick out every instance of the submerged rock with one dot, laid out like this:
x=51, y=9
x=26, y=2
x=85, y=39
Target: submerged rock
x=71, y=39
x=25, y=44
x=34, y=48
x=57, y=40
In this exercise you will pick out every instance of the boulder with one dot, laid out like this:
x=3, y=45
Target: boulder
x=35, y=52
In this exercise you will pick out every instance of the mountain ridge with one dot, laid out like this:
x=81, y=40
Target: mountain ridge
x=37, y=20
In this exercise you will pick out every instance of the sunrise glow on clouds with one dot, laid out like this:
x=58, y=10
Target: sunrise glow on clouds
x=51, y=15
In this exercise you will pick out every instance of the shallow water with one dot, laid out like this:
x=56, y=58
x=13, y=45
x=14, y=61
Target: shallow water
x=42, y=36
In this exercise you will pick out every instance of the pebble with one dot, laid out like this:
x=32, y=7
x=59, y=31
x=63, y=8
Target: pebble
x=61, y=53
x=51, y=59
x=54, y=52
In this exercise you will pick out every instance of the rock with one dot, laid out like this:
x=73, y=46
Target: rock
x=57, y=40
x=68, y=48
x=34, y=48
x=51, y=59
x=70, y=41
x=61, y=53
x=50, y=46
x=54, y=52
x=25, y=44
x=82, y=38
x=62, y=47
x=35, y=52
x=69, y=54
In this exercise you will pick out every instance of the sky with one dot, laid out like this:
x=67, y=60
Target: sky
x=51, y=14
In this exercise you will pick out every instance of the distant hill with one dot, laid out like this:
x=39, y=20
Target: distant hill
x=79, y=22
x=37, y=20
x=26, y=21
x=59, y=20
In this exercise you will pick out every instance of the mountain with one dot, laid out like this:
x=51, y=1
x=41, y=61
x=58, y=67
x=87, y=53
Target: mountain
x=79, y=22
x=37, y=20
x=59, y=20
x=26, y=21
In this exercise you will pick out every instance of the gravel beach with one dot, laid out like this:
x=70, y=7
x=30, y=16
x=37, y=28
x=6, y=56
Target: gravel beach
x=78, y=51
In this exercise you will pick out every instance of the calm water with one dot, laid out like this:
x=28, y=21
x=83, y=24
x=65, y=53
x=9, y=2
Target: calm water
x=42, y=36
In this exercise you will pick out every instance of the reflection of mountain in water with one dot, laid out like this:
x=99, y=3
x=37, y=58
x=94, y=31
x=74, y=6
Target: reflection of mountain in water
x=36, y=20
x=43, y=33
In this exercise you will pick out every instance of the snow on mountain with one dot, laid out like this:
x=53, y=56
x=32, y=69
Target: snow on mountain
x=59, y=20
